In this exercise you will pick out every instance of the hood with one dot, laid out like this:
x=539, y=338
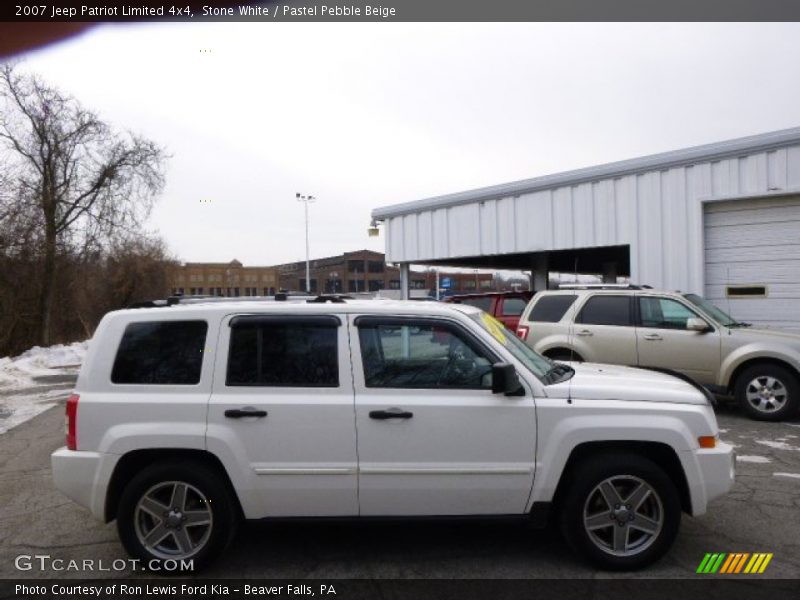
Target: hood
x=752, y=334
x=593, y=381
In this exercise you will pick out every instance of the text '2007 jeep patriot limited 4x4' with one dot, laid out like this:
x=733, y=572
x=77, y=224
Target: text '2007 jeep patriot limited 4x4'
x=187, y=419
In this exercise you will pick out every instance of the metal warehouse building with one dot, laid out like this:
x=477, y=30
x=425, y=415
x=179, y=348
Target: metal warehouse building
x=722, y=220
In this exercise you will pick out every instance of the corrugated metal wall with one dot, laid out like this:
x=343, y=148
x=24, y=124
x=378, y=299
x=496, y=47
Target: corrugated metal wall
x=658, y=213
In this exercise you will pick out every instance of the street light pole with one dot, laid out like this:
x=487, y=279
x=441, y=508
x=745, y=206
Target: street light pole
x=305, y=200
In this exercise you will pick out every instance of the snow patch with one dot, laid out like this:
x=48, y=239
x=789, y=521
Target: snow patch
x=777, y=445
x=753, y=459
x=23, y=379
x=790, y=475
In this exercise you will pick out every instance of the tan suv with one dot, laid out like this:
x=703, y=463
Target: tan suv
x=631, y=325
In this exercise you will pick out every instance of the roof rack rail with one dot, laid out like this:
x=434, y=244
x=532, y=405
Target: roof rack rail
x=603, y=286
x=334, y=298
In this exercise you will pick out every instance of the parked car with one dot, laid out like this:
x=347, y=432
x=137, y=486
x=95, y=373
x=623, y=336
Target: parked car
x=506, y=307
x=669, y=330
x=189, y=418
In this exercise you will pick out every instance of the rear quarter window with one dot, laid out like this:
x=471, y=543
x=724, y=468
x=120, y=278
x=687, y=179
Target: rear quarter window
x=550, y=309
x=160, y=353
x=485, y=304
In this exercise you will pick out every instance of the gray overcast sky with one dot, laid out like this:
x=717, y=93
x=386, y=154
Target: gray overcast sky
x=363, y=115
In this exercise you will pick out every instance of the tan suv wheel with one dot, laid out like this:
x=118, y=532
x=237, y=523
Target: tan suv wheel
x=768, y=392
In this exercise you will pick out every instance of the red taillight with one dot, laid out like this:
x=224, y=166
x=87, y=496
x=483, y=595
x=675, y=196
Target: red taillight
x=522, y=332
x=72, y=421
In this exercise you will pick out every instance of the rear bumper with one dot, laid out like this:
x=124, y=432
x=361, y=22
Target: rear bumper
x=84, y=477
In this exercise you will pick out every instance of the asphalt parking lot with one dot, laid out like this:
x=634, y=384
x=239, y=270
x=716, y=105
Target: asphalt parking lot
x=759, y=515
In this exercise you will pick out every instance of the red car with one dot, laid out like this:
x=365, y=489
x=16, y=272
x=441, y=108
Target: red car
x=506, y=307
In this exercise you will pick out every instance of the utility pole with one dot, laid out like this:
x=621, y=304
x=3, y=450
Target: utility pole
x=305, y=200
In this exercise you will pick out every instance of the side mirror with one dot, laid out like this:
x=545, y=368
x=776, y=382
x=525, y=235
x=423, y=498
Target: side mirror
x=697, y=324
x=505, y=380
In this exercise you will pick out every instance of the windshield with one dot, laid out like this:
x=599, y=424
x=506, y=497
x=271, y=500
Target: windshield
x=536, y=363
x=715, y=313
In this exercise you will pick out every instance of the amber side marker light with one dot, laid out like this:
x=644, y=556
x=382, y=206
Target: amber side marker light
x=707, y=441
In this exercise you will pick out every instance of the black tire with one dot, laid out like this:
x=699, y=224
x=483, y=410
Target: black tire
x=201, y=482
x=765, y=373
x=563, y=354
x=582, y=494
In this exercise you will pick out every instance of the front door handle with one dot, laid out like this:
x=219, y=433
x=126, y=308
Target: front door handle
x=654, y=337
x=239, y=413
x=392, y=413
x=584, y=333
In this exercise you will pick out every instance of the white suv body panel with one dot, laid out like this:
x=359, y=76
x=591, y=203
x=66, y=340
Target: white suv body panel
x=511, y=456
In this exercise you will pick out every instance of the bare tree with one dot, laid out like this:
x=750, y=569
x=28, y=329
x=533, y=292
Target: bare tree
x=74, y=178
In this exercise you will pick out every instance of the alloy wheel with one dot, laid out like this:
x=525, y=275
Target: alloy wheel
x=173, y=520
x=623, y=515
x=766, y=394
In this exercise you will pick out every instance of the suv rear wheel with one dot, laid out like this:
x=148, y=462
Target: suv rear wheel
x=176, y=511
x=621, y=512
x=768, y=392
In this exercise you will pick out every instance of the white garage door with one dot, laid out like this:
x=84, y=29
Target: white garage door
x=752, y=253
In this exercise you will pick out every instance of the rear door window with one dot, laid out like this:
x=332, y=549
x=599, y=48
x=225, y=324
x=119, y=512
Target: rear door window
x=606, y=310
x=161, y=353
x=550, y=309
x=283, y=352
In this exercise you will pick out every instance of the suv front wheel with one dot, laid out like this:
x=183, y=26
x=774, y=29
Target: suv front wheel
x=621, y=511
x=768, y=392
x=176, y=511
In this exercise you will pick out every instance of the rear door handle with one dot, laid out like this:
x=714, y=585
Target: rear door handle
x=584, y=333
x=392, y=413
x=653, y=337
x=239, y=413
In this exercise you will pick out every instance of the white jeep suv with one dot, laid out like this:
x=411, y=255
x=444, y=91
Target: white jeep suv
x=189, y=418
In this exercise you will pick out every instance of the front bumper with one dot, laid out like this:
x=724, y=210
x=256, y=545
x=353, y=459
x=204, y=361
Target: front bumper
x=717, y=469
x=83, y=477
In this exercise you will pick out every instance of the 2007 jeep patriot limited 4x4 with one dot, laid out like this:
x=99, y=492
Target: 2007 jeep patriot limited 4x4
x=187, y=419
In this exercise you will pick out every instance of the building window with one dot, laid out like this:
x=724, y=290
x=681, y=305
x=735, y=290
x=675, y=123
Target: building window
x=486, y=284
x=746, y=291
x=375, y=285
x=236, y=291
x=355, y=266
x=375, y=266
x=355, y=285
x=418, y=284
x=469, y=284
x=394, y=284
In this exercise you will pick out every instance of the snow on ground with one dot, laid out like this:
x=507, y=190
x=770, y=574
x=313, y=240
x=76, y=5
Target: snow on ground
x=777, y=445
x=753, y=459
x=790, y=475
x=36, y=380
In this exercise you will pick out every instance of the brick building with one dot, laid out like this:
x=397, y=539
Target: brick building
x=366, y=271
x=224, y=279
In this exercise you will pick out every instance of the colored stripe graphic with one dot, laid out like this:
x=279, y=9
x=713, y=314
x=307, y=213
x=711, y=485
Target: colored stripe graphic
x=727, y=564
x=703, y=563
x=734, y=563
x=741, y=562
x=765, y=563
